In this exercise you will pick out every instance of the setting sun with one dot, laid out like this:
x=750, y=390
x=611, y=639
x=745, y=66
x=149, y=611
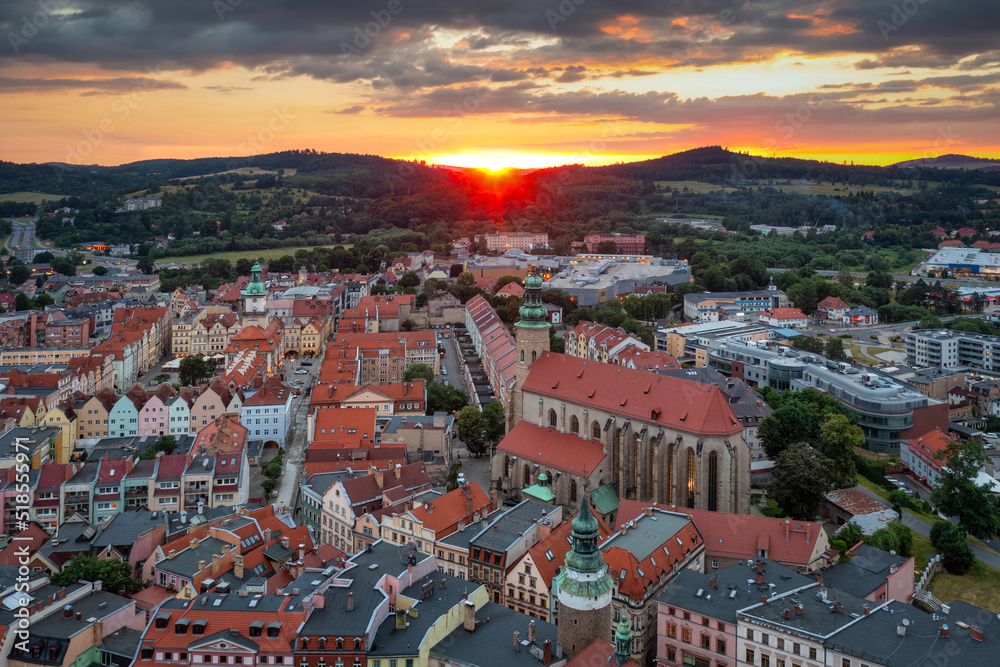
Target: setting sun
x=500, y=160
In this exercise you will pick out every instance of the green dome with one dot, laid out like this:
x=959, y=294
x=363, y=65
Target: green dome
x=256, y=285
x=623, y=641
x=532, y=312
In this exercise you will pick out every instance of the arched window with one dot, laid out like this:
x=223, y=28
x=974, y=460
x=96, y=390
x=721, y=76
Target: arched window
x=534, y=354
x=552, y=417
x=690, y=477
x=506, y=466
x=522, y=355
x=572, y=490
x=527, y=476
x=574, y=424
x=305, y=643
x=595, y=430
x=713, y=482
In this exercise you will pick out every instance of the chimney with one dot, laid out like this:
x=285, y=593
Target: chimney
x=868, y=609
x=760, y=577
x=944, y=630
x=976, y=633
x=787, y=613
x=79, y=615
x=98, y=632
x=267, y=535
x=648, y=511
x=302, y=552
x=836, y=607
x=763, y=598
x=760, y=566
x=238, y=566
x=398, y=471
x=547, y=651
x=517, y=641
x=493, y=498
x=318, y=601
x=713, y=583
x=350, y=601
x=798, y=609
x=469, y=506
x=216, y=560
x=819, y=578
x=68, y=611
x=170, y=554
x=201, y=566
x=531, y=631
x=284, y=541
x=787, y=528
x=194, y=542
x=61, y=593
x=470, y=615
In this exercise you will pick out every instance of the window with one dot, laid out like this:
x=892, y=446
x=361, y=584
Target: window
x=765, y=638
x=765, y=660
x=720, y=645
x=812, y=653
x=686, y=635
x=750, y=656
x=749, y=633
x=722, y=626
x=845, y=662
x=797, y=649
x=715, y=565
x=706, y=641
x=671, y=630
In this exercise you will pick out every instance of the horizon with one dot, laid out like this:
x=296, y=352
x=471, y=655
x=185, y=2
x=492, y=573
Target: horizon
x=523, y=84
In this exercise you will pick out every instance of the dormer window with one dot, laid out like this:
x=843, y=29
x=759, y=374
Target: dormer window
x=305, y=643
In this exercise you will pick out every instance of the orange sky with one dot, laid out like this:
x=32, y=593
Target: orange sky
x=603, y=85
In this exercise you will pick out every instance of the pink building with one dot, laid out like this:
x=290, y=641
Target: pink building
x=697, y=614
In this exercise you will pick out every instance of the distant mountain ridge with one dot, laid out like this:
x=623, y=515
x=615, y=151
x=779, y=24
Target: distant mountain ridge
x=952, y=161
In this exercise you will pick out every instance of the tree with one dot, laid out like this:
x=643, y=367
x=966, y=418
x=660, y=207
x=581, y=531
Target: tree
x=472, y=430
x=418, y=371
x=165, y=443
x=445, y=398
x=929, y=322
x=494, y=423
x=851, y=534
x=607, y=248
x=845, y=279
x=879, y=279
x=193, y=368
x=835, y=349
x=802, y=476
x=145, y=265
x=894, y=537
x=21, y=301
x=409, y=279
x=115, y=575
x=43, y=257
x=17, y=272
x=100, y=270
x=956, y=554
x=791, y=422
x=957, y=494
x=63, y=265
x=503, y=281
x=838, y=440
x=466, y=279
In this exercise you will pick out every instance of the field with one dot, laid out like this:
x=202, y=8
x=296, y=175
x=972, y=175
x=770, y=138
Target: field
x=33, y=197
x=979, y=586
x=272, y=253
x=798, y=187
x=246, y=171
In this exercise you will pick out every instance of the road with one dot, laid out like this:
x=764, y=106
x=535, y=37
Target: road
x=23, y=235
x=295, y=445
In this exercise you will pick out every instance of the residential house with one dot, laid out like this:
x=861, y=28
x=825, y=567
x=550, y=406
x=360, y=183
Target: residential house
x=831, y=308
x=860, y=316
x=788, y=318
x=266, y=413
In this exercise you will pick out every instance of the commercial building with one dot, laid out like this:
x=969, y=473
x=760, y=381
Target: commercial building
x=716, y=306
x=945, y=348
x=887, y=410
x=962, y=260
x=504, y=241
x=142, y=203
x=593, y=280
x=626, y=244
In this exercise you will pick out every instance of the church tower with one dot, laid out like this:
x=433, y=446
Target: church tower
x=255, y=301
x=584, y=587
x=623, y=641
x=532, y=332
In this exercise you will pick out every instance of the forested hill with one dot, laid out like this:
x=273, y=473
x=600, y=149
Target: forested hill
x=714, y=164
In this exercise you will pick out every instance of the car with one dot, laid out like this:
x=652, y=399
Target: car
x=302, y=371
x=306, y=363
x=509, y=502
x=461, y=479
x=444, y=371
x=446, y=383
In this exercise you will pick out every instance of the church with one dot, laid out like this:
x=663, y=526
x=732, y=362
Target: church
x=649, y=437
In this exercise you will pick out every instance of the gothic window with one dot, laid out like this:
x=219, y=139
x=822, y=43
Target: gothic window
x=713, y=482
x=595, y=430
x=574, y=424
x=527, y=475
x=690, y=477
x=552, y=417
x=572, y=490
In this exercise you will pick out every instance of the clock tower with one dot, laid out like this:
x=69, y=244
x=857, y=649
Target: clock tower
x=584, y=587
x=255, y=300
x=532, y=335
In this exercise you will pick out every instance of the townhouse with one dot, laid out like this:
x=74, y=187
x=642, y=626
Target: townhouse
x=423, y=526
x=267, y=412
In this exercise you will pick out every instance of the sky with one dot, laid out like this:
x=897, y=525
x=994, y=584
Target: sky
x=497, y=83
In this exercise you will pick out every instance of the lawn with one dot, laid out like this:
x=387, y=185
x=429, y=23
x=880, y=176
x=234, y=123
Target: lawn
x=245, y=171
x=694, y=186
x=797, y=187
x=979, y=586
x=922, y=549
x=272, y=253
x=32, y=197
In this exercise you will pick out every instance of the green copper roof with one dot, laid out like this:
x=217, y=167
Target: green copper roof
x=623, y=641
x=256, y=286
x=532, y=312
x=605, y=499
x=585, y=557
x=543, y=493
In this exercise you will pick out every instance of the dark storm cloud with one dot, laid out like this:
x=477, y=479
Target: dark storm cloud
x=289, y=34
x=114, y=86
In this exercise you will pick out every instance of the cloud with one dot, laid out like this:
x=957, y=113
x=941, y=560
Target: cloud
x=349, y=111
x=113, y=86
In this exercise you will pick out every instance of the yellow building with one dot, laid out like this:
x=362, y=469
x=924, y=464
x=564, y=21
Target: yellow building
x=62, y=417
x=48, y=355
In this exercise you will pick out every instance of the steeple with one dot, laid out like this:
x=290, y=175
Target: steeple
x=256, y=286
x=532, y=311
x=585, y=556
x=623, y=641
x=255, y=300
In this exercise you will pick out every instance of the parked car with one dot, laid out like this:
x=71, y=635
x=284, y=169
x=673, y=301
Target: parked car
x=461, y=479
x=509, y=502
x=306, y=363
x=302, y=371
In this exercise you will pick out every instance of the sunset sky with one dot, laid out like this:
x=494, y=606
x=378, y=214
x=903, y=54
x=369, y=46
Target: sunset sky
x=498, y=82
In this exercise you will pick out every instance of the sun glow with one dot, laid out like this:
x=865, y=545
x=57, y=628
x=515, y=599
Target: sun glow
x=500, y=160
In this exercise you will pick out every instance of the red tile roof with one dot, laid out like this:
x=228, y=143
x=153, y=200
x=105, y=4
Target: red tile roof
x=677, y=403
x=739, y=535
x=599, y=653
x=344, y=427
x=558, y=544
x=272, y=393
x=784, y=314
x=28, y=541
x=546, y=445
x=170, y=466
x=442, y=515
x=834, y=303
x=635, y=577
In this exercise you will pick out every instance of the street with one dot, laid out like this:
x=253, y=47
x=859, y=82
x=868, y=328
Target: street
x=295, y=444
